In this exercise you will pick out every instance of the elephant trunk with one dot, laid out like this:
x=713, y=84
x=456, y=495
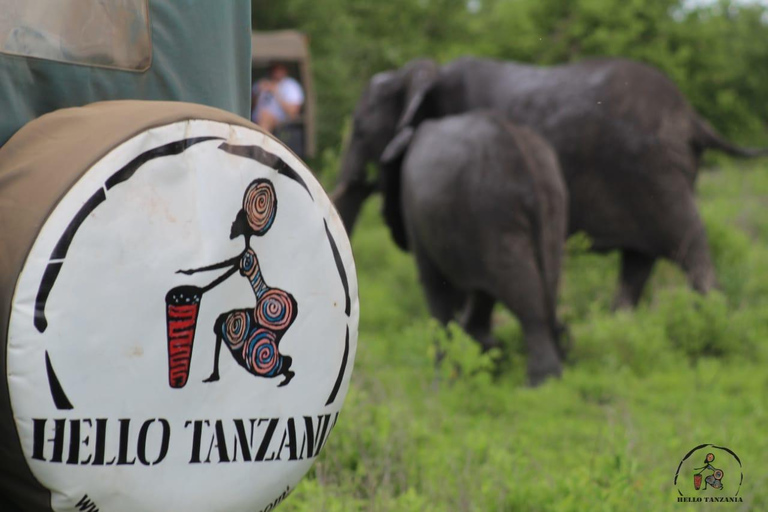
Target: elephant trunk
x=352, y=188
x=348, y=199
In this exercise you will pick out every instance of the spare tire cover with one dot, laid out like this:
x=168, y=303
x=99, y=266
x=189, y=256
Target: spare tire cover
x=178, y=312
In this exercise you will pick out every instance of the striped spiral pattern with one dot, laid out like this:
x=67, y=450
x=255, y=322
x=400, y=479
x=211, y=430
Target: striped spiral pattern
x=260, y=205
x=275, y=310
x=249, y=264
x=236, y=328
x=260, y=353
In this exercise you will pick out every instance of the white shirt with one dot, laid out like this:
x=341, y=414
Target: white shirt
x=288, y=90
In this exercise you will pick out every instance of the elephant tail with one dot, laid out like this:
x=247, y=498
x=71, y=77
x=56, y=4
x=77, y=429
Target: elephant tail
x=561, y=335
x=706, y=137
x=541, y=240
x=539, y=248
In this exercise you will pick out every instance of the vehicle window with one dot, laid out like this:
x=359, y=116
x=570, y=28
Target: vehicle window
x=105, y=33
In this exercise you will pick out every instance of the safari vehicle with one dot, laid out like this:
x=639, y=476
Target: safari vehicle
x=126, y=155
x=291, y=48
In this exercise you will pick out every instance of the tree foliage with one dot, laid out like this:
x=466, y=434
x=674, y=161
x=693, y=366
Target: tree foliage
x=716, y=52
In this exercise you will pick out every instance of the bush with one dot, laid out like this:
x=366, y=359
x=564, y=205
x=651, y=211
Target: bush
x=695, y=325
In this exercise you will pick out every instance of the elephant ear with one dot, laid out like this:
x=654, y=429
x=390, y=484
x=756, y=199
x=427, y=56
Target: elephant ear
x=391, y=166
x=420, y=77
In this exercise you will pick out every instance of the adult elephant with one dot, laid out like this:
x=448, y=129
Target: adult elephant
x=628, y=142
x=482, y=205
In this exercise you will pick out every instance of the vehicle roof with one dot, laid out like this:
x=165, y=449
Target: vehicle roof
x=290, y=45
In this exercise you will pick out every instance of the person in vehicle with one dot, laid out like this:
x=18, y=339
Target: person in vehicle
x=277, y=99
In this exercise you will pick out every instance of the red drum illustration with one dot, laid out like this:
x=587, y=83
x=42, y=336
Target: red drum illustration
x=182, y=305
x=697, y=482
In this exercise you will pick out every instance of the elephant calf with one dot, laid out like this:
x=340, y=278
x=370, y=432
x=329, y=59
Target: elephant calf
x=483, y=206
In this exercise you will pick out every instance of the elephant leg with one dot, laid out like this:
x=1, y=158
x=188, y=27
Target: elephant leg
x=635, y=270
x=694, y=258
x=442, y=298
x=520, y=287
x=476, y=319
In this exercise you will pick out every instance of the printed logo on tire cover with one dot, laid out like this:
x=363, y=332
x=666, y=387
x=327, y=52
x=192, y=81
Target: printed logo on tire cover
x=183, y=330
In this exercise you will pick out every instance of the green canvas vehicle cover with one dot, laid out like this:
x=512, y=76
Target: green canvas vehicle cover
x=56, y=55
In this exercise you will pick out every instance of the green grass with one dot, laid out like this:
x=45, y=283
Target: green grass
x=640, y=388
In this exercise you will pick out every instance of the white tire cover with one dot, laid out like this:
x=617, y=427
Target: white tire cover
x=114, y=397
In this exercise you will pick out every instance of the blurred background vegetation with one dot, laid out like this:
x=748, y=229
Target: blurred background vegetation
x=716, y=51
x=640, y=388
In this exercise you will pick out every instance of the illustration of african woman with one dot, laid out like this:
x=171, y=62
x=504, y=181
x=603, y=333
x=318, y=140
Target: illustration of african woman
x=714, y=480
x=253, y=334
